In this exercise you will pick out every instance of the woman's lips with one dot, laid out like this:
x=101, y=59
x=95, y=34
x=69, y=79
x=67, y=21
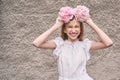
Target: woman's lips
x=73, y=34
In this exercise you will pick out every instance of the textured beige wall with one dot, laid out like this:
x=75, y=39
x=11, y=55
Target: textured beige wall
x=21, y=21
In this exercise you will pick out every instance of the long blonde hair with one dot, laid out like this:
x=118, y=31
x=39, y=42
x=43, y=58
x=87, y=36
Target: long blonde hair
x=81, y=35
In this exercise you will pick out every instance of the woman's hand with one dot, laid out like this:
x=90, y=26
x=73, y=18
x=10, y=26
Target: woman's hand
x=88, y=21
x=58, y=23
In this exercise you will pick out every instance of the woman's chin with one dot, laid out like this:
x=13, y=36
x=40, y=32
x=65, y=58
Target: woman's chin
x=73, y=38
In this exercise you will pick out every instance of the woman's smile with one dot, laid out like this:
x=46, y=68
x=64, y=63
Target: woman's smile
x=73, y=34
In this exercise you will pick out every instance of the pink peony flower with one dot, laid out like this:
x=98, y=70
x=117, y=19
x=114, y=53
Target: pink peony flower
x=81, y=13
x=66, y=13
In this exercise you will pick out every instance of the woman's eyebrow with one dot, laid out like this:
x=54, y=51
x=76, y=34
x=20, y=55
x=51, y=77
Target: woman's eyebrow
x=70, y=26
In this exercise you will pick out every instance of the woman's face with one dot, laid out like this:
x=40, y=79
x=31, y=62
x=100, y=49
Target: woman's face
x=72, y=29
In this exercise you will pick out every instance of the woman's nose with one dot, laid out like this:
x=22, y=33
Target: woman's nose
x=73, y=30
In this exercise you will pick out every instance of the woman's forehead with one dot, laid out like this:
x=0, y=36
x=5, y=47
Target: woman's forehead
x=73, y=23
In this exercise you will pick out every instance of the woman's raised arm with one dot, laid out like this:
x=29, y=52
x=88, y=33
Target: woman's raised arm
x=40, y=41
x=105, y=40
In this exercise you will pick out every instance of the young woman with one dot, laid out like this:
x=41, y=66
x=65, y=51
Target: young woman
x=71, y=50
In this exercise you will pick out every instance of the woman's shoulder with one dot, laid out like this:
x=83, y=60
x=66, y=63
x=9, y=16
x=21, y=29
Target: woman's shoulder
x=59, y=41
x=59, y=38
x=85, y=40
x=86, y=43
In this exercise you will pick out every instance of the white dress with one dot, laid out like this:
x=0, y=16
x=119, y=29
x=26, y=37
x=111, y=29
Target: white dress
x=71, y=59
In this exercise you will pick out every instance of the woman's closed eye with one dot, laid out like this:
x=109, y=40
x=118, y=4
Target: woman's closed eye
x=69, y=26
x=77, y=26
